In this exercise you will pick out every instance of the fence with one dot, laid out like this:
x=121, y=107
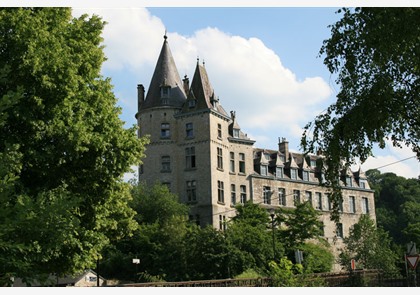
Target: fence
x=362, y=278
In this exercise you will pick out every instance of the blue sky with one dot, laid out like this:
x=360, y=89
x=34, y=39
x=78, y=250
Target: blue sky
x=262, y=62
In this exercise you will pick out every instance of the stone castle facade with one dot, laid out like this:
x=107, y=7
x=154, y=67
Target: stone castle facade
x=200, y=152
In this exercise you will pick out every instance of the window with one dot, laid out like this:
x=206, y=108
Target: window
x=318, y=197
x=220, y=192
x=365, y=205
x=236, y=133
x=339, y=230
x=165, y=131
x=267, y=156
x=330, y=207
x=219, y=131
x=191, y=191
x=241, y=163
x=243, y=194
x=362, y=183
x=308, y=197
x=222, y=222
x=165, y=93
x=190, y=157
x=166, y=164
x=232, y=162
x=296, y=196
x=293, y=173
x=219, y=158
x=264, y=170
x=191, y=103
x=189, y=130
x=279, y=172
x=232, y=194
x=352, y=204
x=305, y=175
x=313, y=163
x=349, y=181
x=282, y=197
x=266, y=195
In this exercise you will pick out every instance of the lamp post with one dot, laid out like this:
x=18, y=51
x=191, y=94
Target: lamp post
x=272, y=230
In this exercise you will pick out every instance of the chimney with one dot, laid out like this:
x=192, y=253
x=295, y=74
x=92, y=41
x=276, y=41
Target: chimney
x=140, y=95
x=186, y=81
x=284, y=148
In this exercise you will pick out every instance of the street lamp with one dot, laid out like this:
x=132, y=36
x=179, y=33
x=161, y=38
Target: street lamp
x=272, y=214
x=136, y=261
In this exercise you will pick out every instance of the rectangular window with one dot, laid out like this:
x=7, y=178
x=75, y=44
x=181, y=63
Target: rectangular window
x=279, y=172
x=191, y=191
x=232, y=194
x=219, y=158
x=243, y=194
x=219, y=131
x=189, y=129
x=165, y=131
x=236, y=133
x=305, y=175
x=318, y=197
x=308, y=197
x=222, y=222
x=330, y=207
x=241, y=163
x=267, y=195
x=362, y=183
x=264, y=170
x=293, y=173
x=349, y=181
x=166, y=164
x=365, y=205
x=190, y=157
x=220, y=192
x=232, y=162
x=339, y=230
x=296, y=196
x=313, y=163
x=282, y=197
x=352, y=204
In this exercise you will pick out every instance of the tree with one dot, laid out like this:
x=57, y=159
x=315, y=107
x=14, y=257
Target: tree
x=370, y=247
x=66, y=150
x=375, y=54
x=298, y=225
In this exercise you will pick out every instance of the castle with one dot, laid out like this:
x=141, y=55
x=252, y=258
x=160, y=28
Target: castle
x=200, y=152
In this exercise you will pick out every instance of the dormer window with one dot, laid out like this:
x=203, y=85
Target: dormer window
x=165, y=92
x=264, y=170
x=305, y=175
x=349, y=181
x=283, y=159
x=279, y=172
x=191, y=103
x=267, y=156
x=236, y=133
x=293, y=173
x=362, y=183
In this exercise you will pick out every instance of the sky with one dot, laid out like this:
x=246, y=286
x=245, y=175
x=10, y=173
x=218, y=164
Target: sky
x=262, y=60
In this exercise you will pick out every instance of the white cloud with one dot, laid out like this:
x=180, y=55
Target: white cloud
x=248, y=77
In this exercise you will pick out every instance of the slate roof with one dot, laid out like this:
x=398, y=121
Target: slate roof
x=165, y=74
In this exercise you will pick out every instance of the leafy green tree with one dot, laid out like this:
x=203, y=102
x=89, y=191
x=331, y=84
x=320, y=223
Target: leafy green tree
x=374, y=52
x=370, y=247
x=159, y=242
x=298, y=225
x=317, y=257
x=65, y=148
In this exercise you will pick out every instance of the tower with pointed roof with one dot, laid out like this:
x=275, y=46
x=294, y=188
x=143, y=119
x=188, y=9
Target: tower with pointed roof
x=203, y=156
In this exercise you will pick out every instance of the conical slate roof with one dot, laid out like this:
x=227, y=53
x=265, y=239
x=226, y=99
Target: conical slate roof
x=165, y=74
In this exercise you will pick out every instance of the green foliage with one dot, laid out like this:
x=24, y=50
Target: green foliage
x=64, y=148
x=374, y=52
x=317, y=258
x=297, y=225
x=284, y=273
x=397, y=206
x=370, y=247
x=249, y=274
